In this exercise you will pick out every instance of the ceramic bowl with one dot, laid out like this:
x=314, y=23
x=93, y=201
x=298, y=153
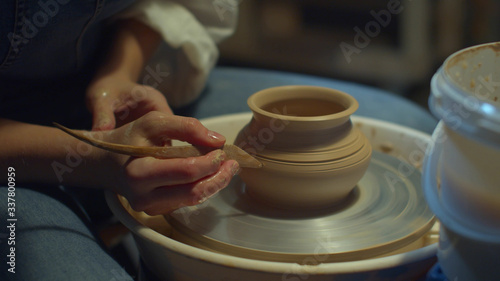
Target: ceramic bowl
x=170, y=259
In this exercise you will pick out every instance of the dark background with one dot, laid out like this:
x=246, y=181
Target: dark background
x=305, y=36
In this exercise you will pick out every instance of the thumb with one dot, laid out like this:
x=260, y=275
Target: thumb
x=103, y=116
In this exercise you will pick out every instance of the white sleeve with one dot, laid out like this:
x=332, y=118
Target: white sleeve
x=190, y=30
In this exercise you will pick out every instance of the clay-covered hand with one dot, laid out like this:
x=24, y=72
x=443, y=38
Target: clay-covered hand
x=158, y=186
x=115, y=101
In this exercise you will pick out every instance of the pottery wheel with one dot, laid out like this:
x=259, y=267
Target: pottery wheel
x=385, y=212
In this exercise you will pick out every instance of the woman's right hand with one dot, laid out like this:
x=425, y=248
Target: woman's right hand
x=159, y=186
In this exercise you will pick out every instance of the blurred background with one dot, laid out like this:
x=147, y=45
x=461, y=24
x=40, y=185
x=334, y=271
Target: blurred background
x=394, y=45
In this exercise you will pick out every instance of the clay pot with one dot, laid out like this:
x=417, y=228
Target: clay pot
x=312, y=155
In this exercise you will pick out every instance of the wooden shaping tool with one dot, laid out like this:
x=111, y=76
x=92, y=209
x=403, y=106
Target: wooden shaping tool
x=233, y=152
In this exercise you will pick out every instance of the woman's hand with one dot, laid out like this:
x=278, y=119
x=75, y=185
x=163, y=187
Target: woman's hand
x=158, y=186
x=115, y=101
x=114, y=97
x=47, y=155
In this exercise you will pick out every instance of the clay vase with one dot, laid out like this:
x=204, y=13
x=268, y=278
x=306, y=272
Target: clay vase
x=311, y=153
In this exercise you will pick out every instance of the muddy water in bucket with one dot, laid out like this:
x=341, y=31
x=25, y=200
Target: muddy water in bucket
x=464, y=160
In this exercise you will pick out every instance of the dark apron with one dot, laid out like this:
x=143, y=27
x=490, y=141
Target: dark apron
x=49, y=51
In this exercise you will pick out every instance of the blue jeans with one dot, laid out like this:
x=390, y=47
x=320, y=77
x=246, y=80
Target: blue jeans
x=50, y=239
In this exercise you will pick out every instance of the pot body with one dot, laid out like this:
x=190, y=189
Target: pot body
x=312, y=155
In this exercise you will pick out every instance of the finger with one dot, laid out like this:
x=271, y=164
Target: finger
x=157, y=125
x=149, y=173
x=169, y=198
x=159, y=101
x=103, y=117
x=210, y=186
x=138, y=101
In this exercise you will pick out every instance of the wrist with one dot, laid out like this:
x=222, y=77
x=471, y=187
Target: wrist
x=100, y=168
x=134, y=44
x=77, y=163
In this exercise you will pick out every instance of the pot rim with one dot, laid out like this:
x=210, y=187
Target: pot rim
x=297, y=91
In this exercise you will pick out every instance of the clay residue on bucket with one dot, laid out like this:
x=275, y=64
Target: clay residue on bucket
x=463, y=55
x=472, y=84
x=475, y=70
x=495, y=47
x=386, y=148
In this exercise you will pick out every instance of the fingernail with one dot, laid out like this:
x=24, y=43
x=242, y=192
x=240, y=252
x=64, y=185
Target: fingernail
x=216, y=136
x=102, y=122
x=219, y=157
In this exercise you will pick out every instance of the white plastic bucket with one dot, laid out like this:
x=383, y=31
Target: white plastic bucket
x=464, y=258
x=465, y=95
x=468, y=249
x=461, y=173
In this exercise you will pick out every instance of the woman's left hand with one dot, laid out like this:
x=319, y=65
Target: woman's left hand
x=115, y=101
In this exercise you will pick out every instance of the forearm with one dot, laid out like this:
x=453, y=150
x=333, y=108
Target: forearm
x=42, y=154
x=132, y=47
